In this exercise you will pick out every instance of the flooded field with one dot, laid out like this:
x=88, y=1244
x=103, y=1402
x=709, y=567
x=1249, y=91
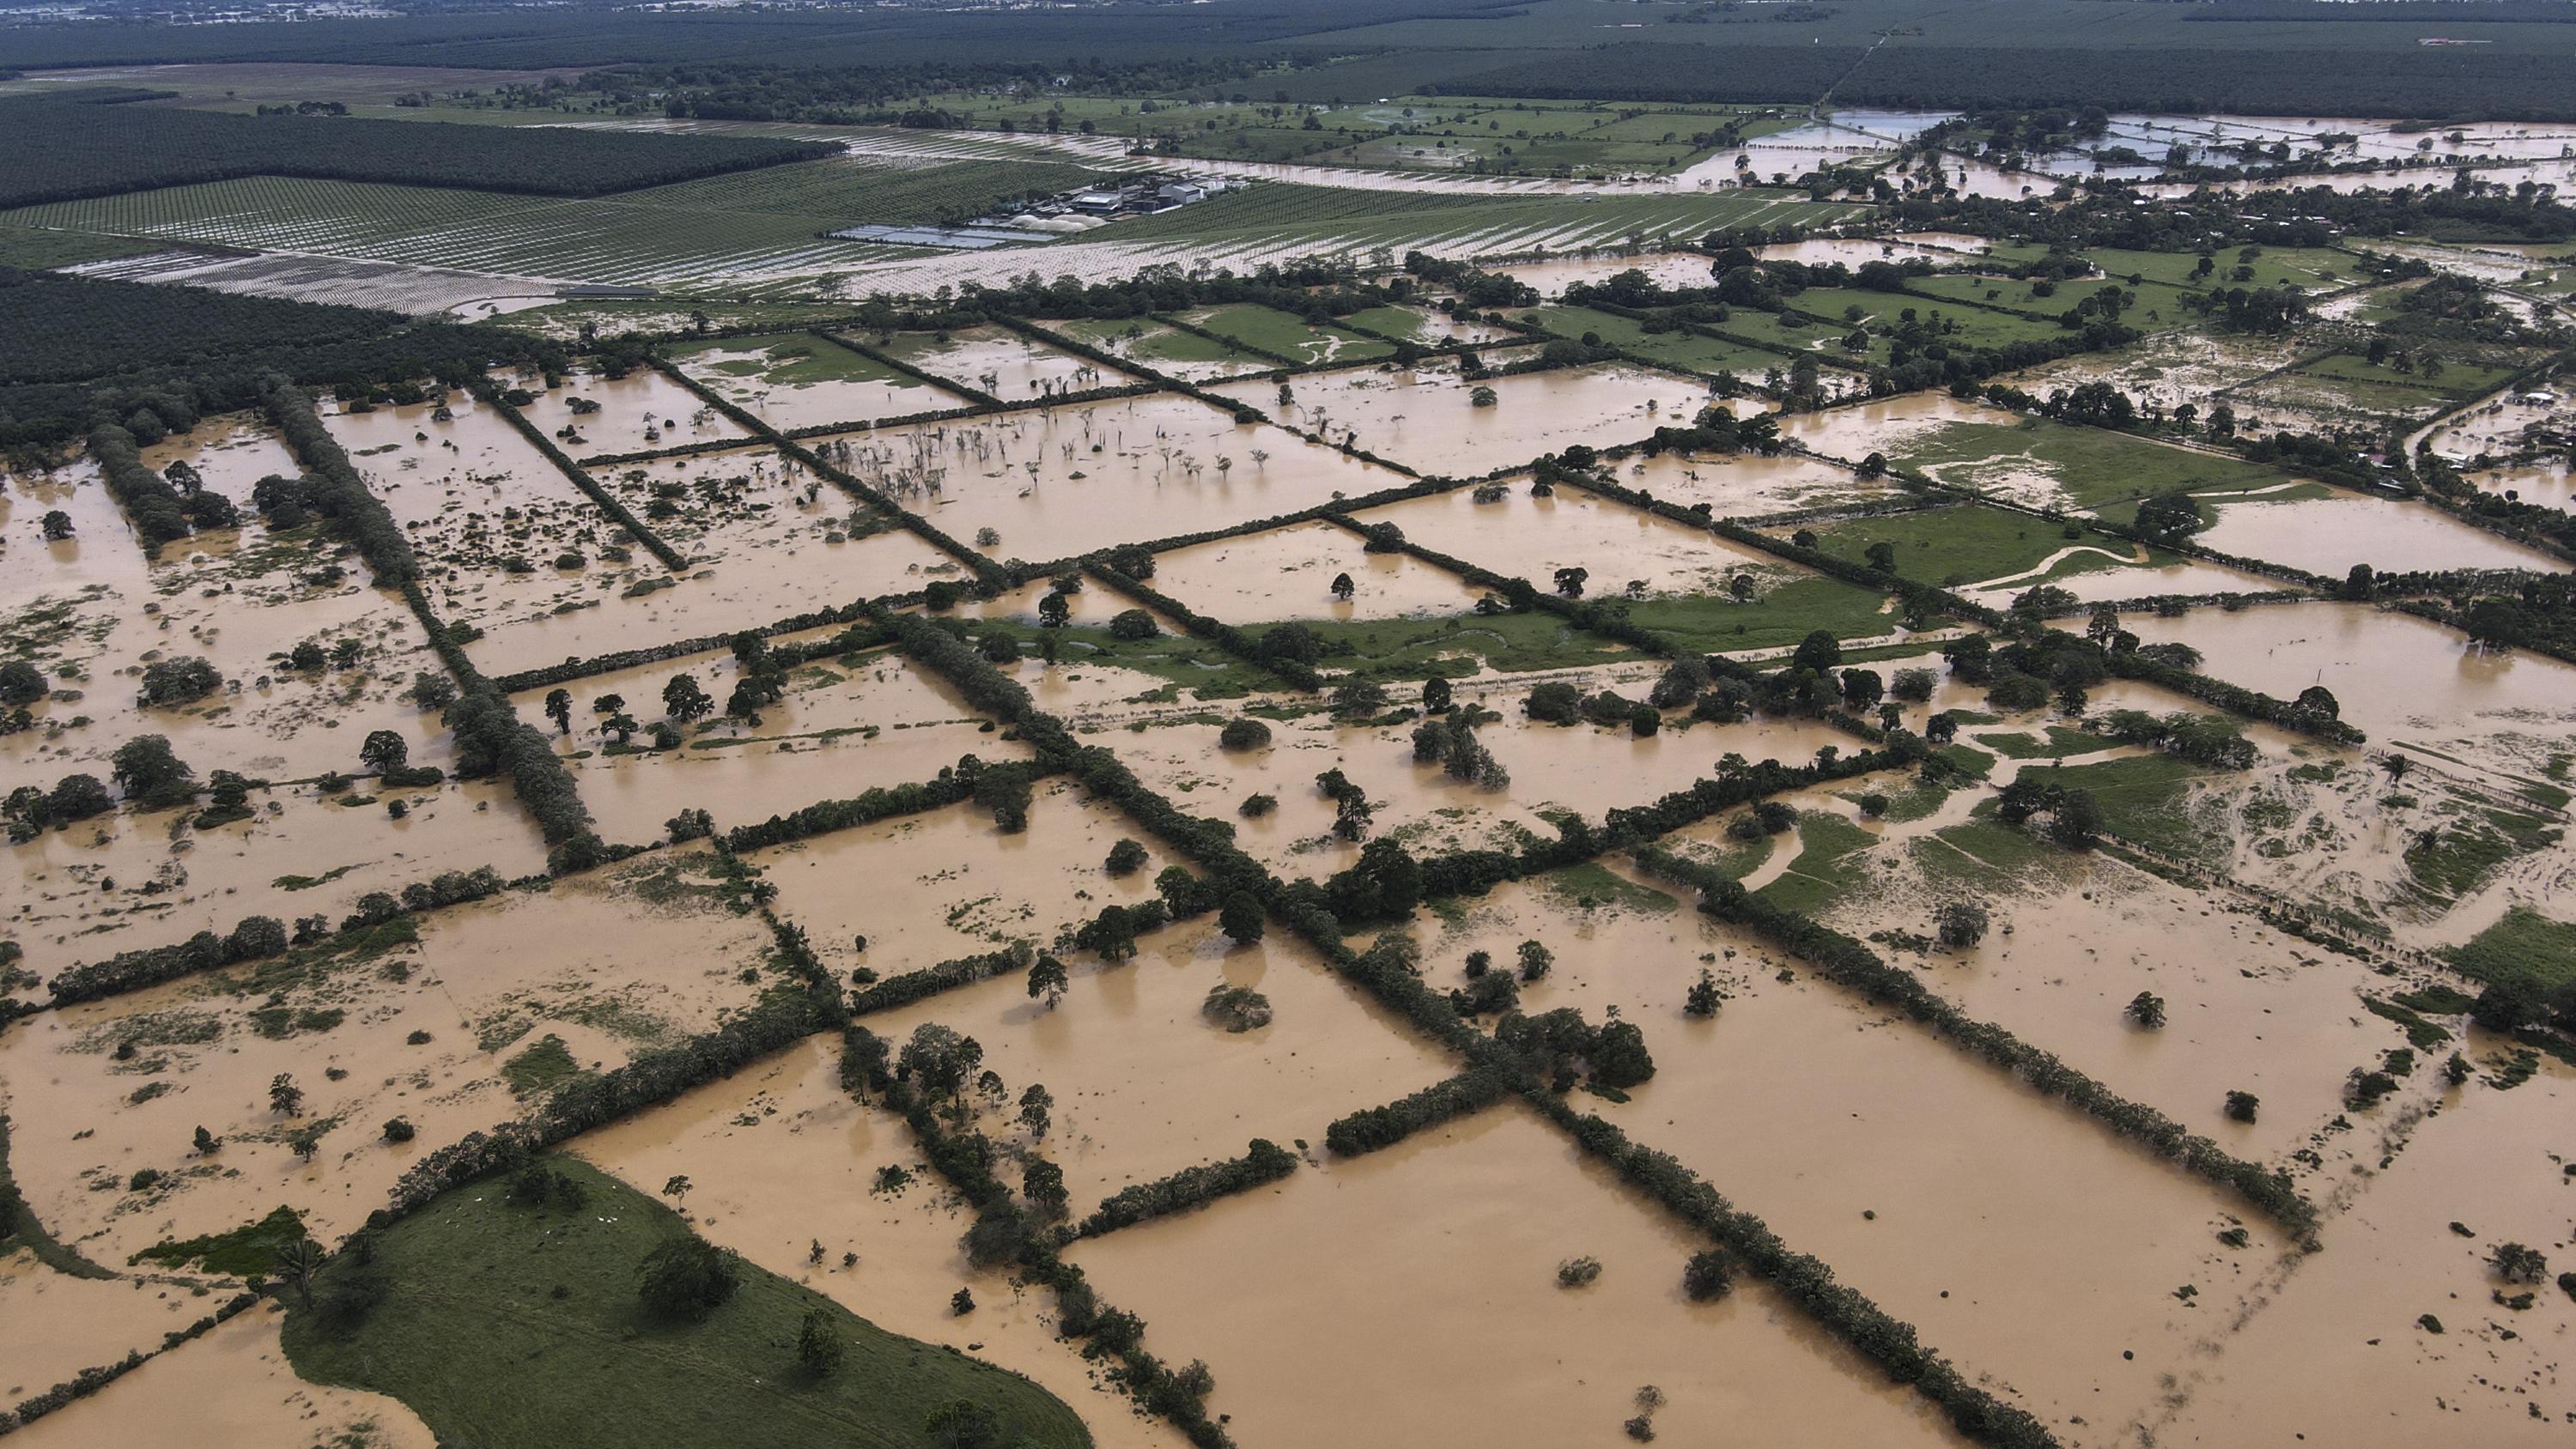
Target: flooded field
x=1745, y=485
x=1427, y=419
x=787, y=1159
x=1126, y=1034
x=1455, y=1239
x=1624, y=550
x=2329, y=535
x=1290, y=573
x=431, y=1026
x=801, y=380
x=1052, y=484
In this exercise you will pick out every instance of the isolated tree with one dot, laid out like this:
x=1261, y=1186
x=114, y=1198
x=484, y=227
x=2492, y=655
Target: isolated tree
x=1960, y=923
x=1037, y=1109
x=385, y=752
x=818, y=1348
x=297, y=1263
x=1047, y=979
x=559, y=709
x=686, y=1279
x=684, y=701
x=149, y=774
x=1241, y=918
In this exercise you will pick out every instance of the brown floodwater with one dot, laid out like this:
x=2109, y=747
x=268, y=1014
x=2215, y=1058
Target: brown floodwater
x=782, y=1158
x=609, y=962
x=1003, y=364
x=236, y=1388
x=1741, y=485
x=1424, y=417
x=738, y=372
x=138, y=878
x=1621, y=547
x=2329, y=535
x=1061, y=481
x=1434, y=1264
x=1145, y=1085
x=2396, y=676
x=1287, y=573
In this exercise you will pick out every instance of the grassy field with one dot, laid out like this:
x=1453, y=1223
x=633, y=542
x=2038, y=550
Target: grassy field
x=2094, y=467
x=1153, y=342
x=1963, y=544
x=792, y=359
x=2525, y=946
x=613, y=240
x=517, y=1326
x=1975, y=326
x=1825, y=867
x=2308, y=269
x=1264, y=329
x=1687, y=351
x=1778, y=616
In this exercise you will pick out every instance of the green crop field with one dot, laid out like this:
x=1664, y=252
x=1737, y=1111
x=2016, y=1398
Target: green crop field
x=503, y=1325
x=1965, y=543
x=1281, y=335
x=1685, y=350
x=2093, y=466
x=1976, y=326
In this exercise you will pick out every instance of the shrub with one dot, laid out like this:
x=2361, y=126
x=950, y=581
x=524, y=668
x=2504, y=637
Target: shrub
x=687, y=1278
x=1707, y=1277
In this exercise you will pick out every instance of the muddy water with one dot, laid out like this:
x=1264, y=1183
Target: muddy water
x=782, y=1159
x=1287, y=573
x=947, y=883
x=1853, y=433
x=1531, y=538
x=1145, y=1085
x=1004, y=364
x=132, y=879
x=1580, y=768
x=1063, y=481
x=737, y=372
x=839, y=732
x=1452, y=1240
x=593, y=961
x=53, y=1325
x=642, y=402
x=2021, y=1238
x=237, y=1388
x=1666, y=269
x=2396, y=676
x=1740, y=485
x=2247, y=1009
x=2133, y=581
x=2330, y=535
x=2337, y=1356
x=1425, y=420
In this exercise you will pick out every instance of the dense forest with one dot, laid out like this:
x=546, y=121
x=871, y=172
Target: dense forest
x=55, y=327
x=91, y=144
x=76, y=352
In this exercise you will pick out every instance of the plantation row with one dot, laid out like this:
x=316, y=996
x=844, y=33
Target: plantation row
x=65, y=148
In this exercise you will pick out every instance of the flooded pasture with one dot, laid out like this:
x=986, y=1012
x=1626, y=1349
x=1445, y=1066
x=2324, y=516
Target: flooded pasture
x=1428, y=420
x=1453, y=1239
